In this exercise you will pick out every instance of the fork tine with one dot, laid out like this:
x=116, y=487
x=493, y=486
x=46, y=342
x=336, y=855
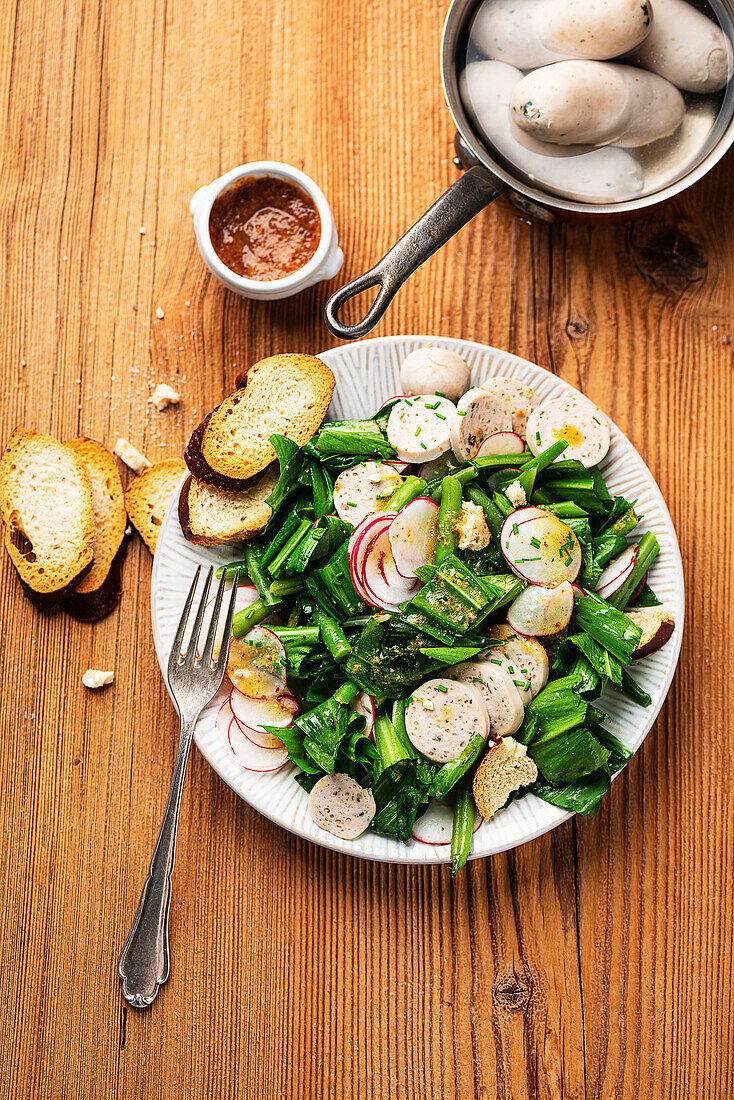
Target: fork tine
x=212, y=632
x=181, y=628
x=196, y=629
x=224, y=651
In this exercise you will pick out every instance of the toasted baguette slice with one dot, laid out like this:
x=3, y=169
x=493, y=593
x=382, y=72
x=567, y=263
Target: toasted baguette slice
x=148, y=496
x=506, y=768
x=213, y=516
x=46, y=505
x=285, y=394
x=110, y=521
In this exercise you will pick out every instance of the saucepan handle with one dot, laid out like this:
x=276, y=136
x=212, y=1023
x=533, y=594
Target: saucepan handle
x=473, y=191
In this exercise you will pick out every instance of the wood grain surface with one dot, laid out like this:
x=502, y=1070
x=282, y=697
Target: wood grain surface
x=595, y=962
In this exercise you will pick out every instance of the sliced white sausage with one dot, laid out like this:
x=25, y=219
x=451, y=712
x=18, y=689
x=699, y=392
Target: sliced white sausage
x=520, y=399
x=575, y=419
x=501, y=698
x=593, y=29
x=591, y=175
x=507, y=30
x=364, y=489
x=442, y=717
x=479, y=414
x=435, y=370
x=526, y=655
x=687, y=48
x=340, y=806
x=596, y=103
x=419, y=428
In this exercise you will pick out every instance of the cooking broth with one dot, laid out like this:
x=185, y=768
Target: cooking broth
x=592, y=174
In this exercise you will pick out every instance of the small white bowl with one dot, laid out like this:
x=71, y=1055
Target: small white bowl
x=325, y=262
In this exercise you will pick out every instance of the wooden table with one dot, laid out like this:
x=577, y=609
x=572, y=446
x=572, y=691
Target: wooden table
x=594, y=962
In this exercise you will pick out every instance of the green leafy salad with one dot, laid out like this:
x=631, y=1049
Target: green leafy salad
x=440, y=627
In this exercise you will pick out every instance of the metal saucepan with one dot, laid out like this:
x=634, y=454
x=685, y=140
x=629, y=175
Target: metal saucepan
x=486, y=177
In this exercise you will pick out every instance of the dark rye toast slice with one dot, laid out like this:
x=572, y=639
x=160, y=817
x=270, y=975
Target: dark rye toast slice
x=212, y=517
x=285, y=395
x=46, y=507
x=99, y=592
x=147, y=497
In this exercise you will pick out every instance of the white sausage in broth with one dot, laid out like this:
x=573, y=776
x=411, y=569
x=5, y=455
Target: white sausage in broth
x=363, y=489
x=443, y=716
x=593, y=29
x=687, y=48
x=340, y=806
x=593, y=175
x=507, y=30
x=434, y=370
x=598, y=103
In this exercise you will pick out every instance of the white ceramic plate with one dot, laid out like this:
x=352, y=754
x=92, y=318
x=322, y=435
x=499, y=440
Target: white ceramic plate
x=366, y=375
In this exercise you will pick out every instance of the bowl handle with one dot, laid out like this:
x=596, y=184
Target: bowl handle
x=473, y=191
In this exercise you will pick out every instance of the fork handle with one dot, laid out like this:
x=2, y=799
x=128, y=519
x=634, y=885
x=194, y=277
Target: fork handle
x=144, y=961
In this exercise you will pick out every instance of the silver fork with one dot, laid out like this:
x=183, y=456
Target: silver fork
x=144, y=961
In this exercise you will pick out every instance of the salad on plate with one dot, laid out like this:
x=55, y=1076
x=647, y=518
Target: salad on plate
x=440, y=596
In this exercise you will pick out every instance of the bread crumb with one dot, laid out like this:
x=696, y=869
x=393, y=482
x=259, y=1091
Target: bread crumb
x=516, y=494
x=94, y=678
x=163, y=396
x=141, y=231
x=471, y=527
x=160, y=314
x=131, y=456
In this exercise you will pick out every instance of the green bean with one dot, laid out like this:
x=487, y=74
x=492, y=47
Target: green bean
x=503, y=505
x=463, y=476
x=391, y=744
x=244, y=621
x=332, y=636
x=287, y=586
x=448, y=514
x=492, y=514
x=296, y=635
x=257, y=575
x=448, y=775
x=648, y=549
x=463, y=827
x=290, y=523
x=411, y=488
x=231, y=569
x=277, y=565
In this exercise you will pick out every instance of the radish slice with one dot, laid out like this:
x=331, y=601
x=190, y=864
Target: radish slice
x=246, y=597
x=396, y=464
x=539, y=547
x=252, y=715
x=357, y=548
x=436, y=825
x=223, y=719
x=413, y=535
x=501, y=443
x=251, y=756
x=384, y=585
x=364, y=705
x=538, y=612
x=617, y=572
x=256, y=664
